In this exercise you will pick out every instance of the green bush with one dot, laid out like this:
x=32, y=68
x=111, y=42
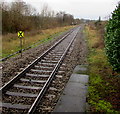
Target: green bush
x=112, y=39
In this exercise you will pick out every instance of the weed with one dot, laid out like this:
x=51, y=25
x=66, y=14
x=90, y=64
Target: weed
x=99, y=69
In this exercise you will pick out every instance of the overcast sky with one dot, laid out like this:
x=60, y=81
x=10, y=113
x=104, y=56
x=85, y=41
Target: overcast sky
x=88, y=9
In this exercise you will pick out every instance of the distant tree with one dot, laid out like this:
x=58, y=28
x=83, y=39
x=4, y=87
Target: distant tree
x=16, y=16
x=99, y=20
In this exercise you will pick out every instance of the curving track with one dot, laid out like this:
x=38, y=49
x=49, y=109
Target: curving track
x=25, y=91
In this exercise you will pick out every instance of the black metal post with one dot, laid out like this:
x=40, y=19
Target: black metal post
x=21, y=45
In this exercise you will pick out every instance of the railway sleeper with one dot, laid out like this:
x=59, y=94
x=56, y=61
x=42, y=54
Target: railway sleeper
x=41, y=71
x=48, y=58
x=44, y=67
x=47, y=67
x=53, y=57
x=49, y=61
x=37, y=75
x=27, y=87
x=21, y=94
x=14, y=106
x=33, y=81
x=57, y=54
x=47, y=64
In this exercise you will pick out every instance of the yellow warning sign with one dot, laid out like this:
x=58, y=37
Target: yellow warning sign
x=20, y=34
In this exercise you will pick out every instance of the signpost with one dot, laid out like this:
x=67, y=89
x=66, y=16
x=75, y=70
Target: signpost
x=21, y=35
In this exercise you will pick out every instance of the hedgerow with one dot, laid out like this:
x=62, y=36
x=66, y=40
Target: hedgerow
x=112, y=39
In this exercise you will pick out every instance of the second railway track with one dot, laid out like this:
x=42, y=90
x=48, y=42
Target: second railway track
x=25, y=91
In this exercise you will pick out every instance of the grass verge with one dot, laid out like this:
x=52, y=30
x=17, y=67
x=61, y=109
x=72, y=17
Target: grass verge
x=103, y=84
x=11, y=43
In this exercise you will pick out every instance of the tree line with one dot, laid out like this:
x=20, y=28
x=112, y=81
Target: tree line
x=19, y=15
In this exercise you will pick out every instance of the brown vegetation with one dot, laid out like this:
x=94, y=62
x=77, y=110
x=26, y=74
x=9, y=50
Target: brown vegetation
x=104, y=82
x=19, y=15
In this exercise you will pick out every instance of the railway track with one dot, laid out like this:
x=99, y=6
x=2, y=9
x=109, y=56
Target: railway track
x=25, y=91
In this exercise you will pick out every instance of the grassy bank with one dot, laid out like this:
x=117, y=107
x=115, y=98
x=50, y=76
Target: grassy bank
x=104, y=83
x=11, y=42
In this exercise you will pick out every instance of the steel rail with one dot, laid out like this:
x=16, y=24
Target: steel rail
x=52, y=75
x=11, y=82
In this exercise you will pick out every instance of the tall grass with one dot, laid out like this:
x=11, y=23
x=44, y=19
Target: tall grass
x=11, y=42
x=99, y=71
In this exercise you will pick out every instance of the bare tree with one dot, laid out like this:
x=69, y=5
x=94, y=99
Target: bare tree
x=19, y=15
